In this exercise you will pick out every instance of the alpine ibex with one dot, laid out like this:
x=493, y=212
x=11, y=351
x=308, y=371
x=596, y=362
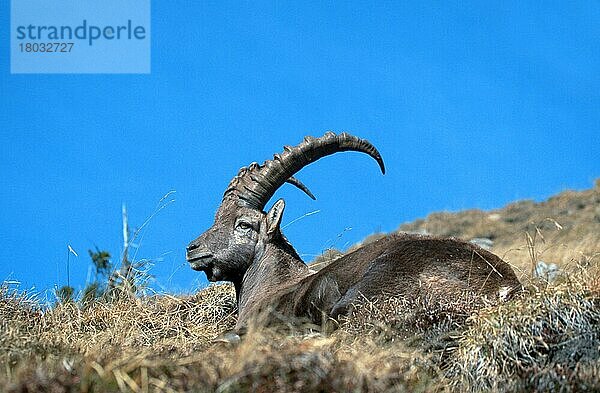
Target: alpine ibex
x=245, y=246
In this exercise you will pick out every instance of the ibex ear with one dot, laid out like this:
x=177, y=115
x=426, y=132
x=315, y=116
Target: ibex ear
x=274, y=216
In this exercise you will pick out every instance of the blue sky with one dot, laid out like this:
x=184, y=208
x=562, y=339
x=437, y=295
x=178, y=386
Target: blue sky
x=471, y=106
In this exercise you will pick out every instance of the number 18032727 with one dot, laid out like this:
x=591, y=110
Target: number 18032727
x=46, y=47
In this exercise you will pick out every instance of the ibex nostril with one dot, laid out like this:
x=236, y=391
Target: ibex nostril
x=192, y=247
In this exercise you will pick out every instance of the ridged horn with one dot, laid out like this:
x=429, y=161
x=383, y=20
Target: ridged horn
x=256, y=184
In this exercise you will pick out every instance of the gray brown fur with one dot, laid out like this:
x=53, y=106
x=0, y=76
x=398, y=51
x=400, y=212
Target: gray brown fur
x=245, y=246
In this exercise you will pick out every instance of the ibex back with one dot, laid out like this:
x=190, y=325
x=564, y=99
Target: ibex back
x=245, y=246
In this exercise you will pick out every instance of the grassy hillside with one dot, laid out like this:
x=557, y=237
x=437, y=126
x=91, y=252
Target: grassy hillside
x=566, y=227
x=546, y=340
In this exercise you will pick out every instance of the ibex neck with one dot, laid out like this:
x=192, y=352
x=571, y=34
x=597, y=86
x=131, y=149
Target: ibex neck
x=279, y=266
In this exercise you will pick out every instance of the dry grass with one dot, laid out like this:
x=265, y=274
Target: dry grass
x=164, y=343
x=548, y=339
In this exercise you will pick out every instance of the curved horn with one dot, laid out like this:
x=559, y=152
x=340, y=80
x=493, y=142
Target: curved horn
x=295, y=182
x=256, y=184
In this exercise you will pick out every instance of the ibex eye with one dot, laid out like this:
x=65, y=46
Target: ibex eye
x=244, y=225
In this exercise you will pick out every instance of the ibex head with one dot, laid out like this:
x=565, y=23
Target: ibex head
x=242, y=230
x=226, y=250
